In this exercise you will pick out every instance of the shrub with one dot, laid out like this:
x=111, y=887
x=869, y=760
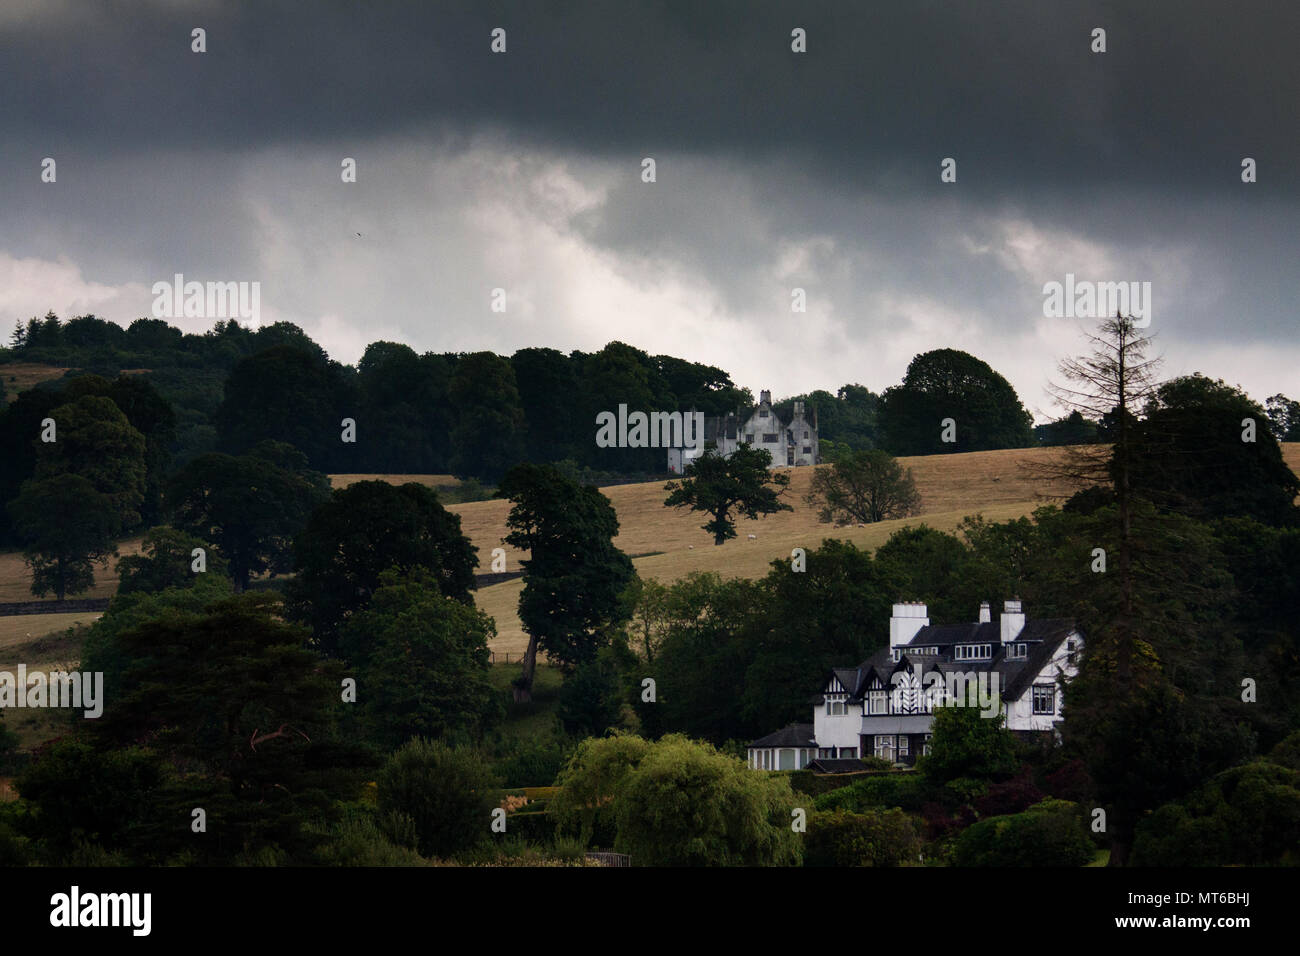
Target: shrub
x=361, y=842
x=591, y=781
x=531, y=826
x=1246, y=816
x=1010, y=796
x=686, y=804
x=905, y=789
x=1049, y=834
x=448, y=794
x=873, y=838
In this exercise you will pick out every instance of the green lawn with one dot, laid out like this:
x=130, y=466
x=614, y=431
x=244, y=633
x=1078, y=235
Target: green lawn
x=537, y=718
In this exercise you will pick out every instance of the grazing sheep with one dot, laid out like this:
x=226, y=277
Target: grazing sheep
x=753, y=537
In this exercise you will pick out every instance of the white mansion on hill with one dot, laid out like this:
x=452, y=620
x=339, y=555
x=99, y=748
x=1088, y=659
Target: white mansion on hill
x=790, y=443
x=884, y=706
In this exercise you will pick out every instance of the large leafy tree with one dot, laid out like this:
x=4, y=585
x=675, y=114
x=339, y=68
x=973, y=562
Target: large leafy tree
x=725, y=487
x=947, y=383
x=574, y=576
x=232, y=695
x=864, y=486
x=1191, y=454
x=249, y=507
x=290, y=393
x=360, y=532
x=86, y=490
x=421, y=661
x=488, y=435
x=404, y=409
x=67, y=525
x=686, y=804
x=166, y=560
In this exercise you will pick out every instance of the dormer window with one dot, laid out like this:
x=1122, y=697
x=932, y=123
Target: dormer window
x=1071, y=650
x=762, y=413
x=879, y=703
x=836, y=708
x=972, y=652
x=1016, y=652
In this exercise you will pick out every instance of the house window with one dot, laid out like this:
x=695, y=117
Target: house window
x=846, y=752
x=904, y=745
x=885, y=747
x=925, y=746
x=762, y=413
x=769, y=437
x=1072, y=652
x=896, y=654
x=878, y=702
x=1015, y=652
x=826, y=752
x=749, y=439
x=836, y=708
x=1044, y=699
x=972, y=652
x=805, y=438
x=807, y=449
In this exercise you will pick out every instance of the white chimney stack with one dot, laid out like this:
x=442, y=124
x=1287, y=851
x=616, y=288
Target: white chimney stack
x=1013, y=621
x=909, y=617
x=985, y=616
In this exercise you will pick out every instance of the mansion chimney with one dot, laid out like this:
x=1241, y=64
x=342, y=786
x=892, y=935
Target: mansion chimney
x=1013, y=621
x=908, y=618
x=985, y=616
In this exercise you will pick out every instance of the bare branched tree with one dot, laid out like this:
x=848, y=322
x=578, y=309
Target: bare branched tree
x=1109, y=384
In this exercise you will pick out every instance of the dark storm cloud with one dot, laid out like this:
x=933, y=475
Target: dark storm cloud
x=1010, y=88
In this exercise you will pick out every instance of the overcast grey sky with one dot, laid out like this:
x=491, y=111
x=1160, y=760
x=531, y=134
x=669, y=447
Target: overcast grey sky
x=774, y=170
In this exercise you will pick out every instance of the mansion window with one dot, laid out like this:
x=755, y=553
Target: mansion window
x=925, y=746
x=836, y=708
x=1072, y=650
x=1044, y=699
x=846, y=752
x=749, y=439
x=826, y=752
x=769, y=437
x=762, y=413
x=805, y=438
x=904, y=746
x=972, y=652
x=1016, y=652
x=807, y=449
x=878, y=702
x=885, y=746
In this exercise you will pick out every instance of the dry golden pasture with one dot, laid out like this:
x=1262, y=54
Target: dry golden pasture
x=16, y=580
x=433, y=481
x=20, y=376
x=992, y=483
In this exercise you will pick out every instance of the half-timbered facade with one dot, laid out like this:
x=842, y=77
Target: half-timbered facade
x=884, y=707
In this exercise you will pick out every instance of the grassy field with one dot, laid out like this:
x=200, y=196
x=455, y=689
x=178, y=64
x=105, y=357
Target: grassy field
x=536, y=718
x=432, y=481
x=20, y=376
x=44, y=643
x=991, y=483
x=16, y=580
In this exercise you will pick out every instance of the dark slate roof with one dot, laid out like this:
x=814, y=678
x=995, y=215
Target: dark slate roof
x=1038, y=657
x=839, y=765
x=795, y=735
x=986, y=633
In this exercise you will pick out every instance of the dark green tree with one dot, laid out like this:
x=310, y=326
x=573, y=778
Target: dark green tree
x=725, y=487
x=421, y=661
x=364, y=530
x=947, y=383
x=67, y=526
x=864, y=487
x=574, y=577
x=488, y=434
x=448, y=795
x=166, y=560
x=1205, y=449
x=249, y=507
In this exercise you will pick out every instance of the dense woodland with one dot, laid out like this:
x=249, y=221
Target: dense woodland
x=234, y=697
